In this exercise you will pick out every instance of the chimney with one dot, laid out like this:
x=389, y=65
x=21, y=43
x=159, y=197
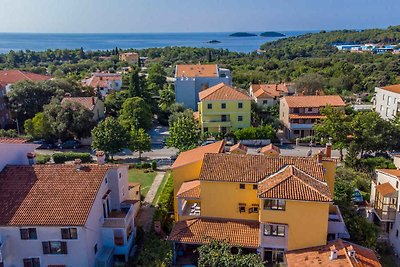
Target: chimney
x=334, y=253
x=101, y=157
x=328, y=148
x=78, y=164
x=351, y=252
x=31, y=158
x=320, y=155
x=93, y=101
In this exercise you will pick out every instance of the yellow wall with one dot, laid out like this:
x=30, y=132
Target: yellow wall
x=183, y=174
x=221, y=200
x=307, y=222
x=232, y=111
x=330, y=173
x=271, y=153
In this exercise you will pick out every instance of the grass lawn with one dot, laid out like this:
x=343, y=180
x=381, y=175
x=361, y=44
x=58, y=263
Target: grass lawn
x=144, y=179
x=161, y=188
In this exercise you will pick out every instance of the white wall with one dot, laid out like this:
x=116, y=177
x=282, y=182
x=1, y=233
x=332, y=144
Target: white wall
x=15, y=154
x=386, y=103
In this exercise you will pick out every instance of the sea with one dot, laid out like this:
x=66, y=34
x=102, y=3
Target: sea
x=108, y=41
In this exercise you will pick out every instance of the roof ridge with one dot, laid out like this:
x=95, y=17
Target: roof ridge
x=311, y=187
x=303, y=172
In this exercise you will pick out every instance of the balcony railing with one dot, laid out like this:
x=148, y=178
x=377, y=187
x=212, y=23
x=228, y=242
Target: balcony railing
x=119, y=240
x=385, y=214
x=119, y=219
x=298, y=126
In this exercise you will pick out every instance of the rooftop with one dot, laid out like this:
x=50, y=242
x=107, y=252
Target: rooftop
x=392, y=88
x=13, y=140
x=270, y=90
x=189, y=190
x=88, y=102
x=270, y=147
x=239, y=146
x=101, y=79
x=222, y=91
x=386, y=189
x=392, y=172
x=207, y=70
x=202, y=230
x=314, y=101
x=13, y=76
x=54, y=194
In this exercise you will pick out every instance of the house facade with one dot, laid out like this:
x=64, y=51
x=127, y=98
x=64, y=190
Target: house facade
x=5, y=115
x=223, y=108
x=190, y=80
x=269, y=94
x=132, y=58
x=104, y=82
x=91, y=103
x=263, y=204
x=63, y=214
x=387, y=101
x=299, y=113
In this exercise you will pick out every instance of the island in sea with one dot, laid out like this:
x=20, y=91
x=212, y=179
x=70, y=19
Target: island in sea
x=272, y=34
x=214, y=42
x=242, y=34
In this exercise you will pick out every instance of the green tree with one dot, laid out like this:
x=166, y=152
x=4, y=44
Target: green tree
x=113, y=102
x=135, y=86
x=109, y=136
x=219, y=254
x=139, y=141
x=135, y=113
x=309, y=84
x=38, y=127
x=167, y=98
x=157, y=75
x=184, y=133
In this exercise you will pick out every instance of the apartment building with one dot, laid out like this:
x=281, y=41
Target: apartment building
x=299, y=113
x=190, y=80
x=223, y=108
x=269, y=94
x=387, y=101
x=132, y=58
x=62, y=214
x=104, y=82
x=268, y=205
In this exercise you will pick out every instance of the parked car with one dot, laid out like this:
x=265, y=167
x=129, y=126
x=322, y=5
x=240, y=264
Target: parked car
x=44, y=144
x=70, y=144
x=357, y=196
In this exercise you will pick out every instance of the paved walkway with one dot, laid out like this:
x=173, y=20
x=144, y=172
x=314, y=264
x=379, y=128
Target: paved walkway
x=154, y=188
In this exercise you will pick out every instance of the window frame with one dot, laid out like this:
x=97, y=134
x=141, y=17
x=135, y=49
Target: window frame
x=223, y=105
x=209, y=105
x=30, y=262
x=275, y=230
x=240, y=118
x=240, y=105
x=30, y=233
x=242, y=186
x=68, y=233
x=274, y=204
x=49, y=248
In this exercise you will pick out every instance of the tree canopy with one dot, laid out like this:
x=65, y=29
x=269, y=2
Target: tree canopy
x=135, y=113
x=184, y=133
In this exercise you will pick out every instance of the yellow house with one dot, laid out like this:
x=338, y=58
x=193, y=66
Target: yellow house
x=223, y=108
x=268, y=204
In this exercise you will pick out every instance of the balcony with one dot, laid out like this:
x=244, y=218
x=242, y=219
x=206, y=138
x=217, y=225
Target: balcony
x=385, y=203
x=119, y=218
x=300, y=126
x=336, y=225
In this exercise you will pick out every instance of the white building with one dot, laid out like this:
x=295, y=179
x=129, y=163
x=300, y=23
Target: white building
x=192, y=79
x=104, y=82
x=62, y=214
x=387, y=101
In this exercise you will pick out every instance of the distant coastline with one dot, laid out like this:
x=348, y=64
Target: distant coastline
x=272, y=34
x=243, y=34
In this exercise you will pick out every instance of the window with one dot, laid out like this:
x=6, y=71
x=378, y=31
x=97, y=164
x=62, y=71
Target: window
x=296, y=110
x=223, y=118
x=223, y=105
x=309, y=109
x=54, y=247
x=388, y=100
x=209, y=106
x=69, y=233
x=253, y=209
x=95, y=249
x=274, y=204
x=32, y=262
x=296, y=131
x=28, y=233
x=242, y=207
x=274, y=230
x=205, y=129
x=223, y=129
x=265, y=102
x=240, y=105
x=240, y=118
x=106, y=180
x=255, y=187
x=242, y=186
x=397, y=233
x=119, y=175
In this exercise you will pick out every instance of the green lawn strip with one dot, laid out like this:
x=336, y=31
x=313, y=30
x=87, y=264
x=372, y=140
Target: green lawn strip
x=144, y=179
x=161, y=188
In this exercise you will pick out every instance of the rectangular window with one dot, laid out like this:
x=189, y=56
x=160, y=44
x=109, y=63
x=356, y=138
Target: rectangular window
x=69, y=233
x=274, y=230
x=95, y=249
x=309, y=109
x=253, y=209
x=388, y=100
x=242, y=207
x=397, y=233
x=265, y=102
x=54, y=247
x=240, y=118
x=242, y=186
x=255, y=187
x=205, y=129
x=223, y=118
x=28, y=233
x=209, y=106
x=240, y=105
x=223, y=105
x=274, y=204
x=296, y=131
x=31, y=262
x=296, y=110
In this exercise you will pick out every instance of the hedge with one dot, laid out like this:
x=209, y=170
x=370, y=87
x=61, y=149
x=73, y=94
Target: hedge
x=165, y=204
x=69, y=156
x=42, y=158
x=255, y=133
x=144, y=165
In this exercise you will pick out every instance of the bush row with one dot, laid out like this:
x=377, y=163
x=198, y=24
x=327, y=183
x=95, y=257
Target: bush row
x=69, y=156
x=42, y=158
x=165, y=204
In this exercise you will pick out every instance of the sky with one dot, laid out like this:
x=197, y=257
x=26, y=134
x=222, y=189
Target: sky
x=141, y=16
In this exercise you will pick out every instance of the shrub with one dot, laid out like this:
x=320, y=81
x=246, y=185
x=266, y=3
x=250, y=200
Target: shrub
x=68, y=156
x=42, y=158
x=154, y=165
x=256, y=133
x=144, y=165
x=155, y=252
x=166, y=204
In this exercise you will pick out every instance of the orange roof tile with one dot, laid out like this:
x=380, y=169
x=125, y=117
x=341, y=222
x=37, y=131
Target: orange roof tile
x=197, y=154
x=203, y=230
x=269, y=90
x=13, y=140
x=291, y=183
x=319, y=256
x=392, y=88
x=314, y=101
x=54, y=194
x=393, y=172
x=101, y=79
x=13, y=76
x=238, y=146
x=192, y=71
x=270, y=147
x=385, y=189
x=253, y=168
x=306, y=116
x=223, y=91
x=189, y=190
x=88, y=102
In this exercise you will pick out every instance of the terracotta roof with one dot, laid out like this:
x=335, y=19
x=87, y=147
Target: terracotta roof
x=189, y=190
x=13, y=76
x=197, y=154
x=291, y=183
x=385, y=189
x=88, y=102
x=319, y=256
x=222, y=91
x=239, y=146
x=253, y=168
x=196, y=70
x=13, y=140
x=203, y=230
x=269, y=90
x=270, y=147
x=392, y=88
x=393, y=172
x=306, y=116
x=101, y=79
x=53, y=194
x=314, y=101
